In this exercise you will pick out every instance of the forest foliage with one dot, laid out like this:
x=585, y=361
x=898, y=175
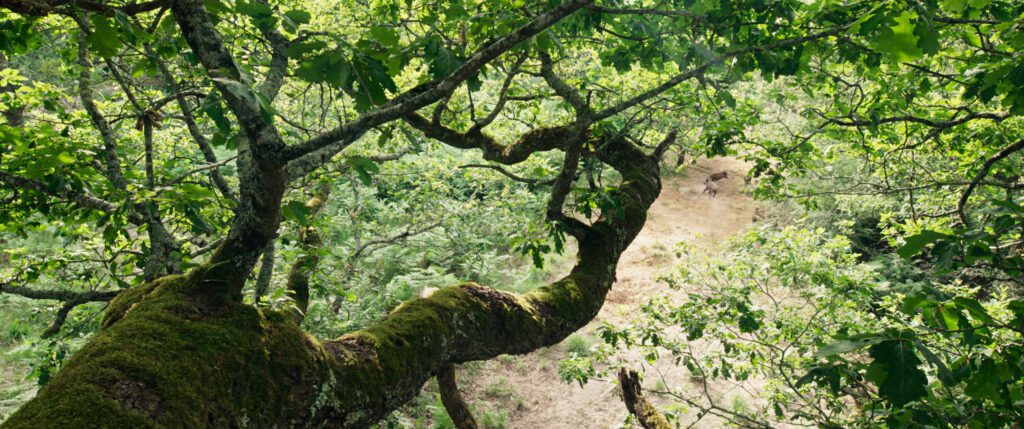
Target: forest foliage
x=885, y=290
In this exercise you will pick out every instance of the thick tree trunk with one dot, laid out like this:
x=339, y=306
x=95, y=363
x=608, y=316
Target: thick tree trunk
x=172, y=353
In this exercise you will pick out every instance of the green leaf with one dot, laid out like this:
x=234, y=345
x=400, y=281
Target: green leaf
x=727, y=98
x=916, y=242
x=950, y=316
x=65, y=158
x=945, y=376
x=299, y=17
x=955, y=6
x=898, y=40
x=253, y=9
x=974, y=308
x=298, y=50
x=928, y=38
x=895, y=369
x=261, y=13
x=296, y=212
x=373, y=79
x=823, y=376
x=985, y=383
x=329, y=67
x=846, y=346
x=912, y=302
x=239, y=90
x=214, y=108
x=364, y=167
x=384, y=35
x=441, y=61
x=196, y=192
x=104, y=38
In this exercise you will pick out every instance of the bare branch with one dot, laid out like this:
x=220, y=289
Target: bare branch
x=510, y=174
x=568, y=93
x=456, y=407
x=414, y=99
x=1009, y=150
x=538, y=140
x=110, y=155
x=199, y=169
x=193, y=128
x=502, y=95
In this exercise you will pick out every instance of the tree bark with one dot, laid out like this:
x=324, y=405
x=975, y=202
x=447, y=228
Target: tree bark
x=456, y=407
x=638, y=405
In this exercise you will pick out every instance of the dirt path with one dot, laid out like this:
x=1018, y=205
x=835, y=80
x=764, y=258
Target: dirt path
x=526, y=391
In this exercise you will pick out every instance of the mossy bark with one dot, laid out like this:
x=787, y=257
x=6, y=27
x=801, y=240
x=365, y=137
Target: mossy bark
x=173, y=354
x=632, y=394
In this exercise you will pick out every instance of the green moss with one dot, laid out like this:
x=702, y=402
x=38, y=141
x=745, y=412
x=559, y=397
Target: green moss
x=653, y=417
x=161, y=361
x=126, y=300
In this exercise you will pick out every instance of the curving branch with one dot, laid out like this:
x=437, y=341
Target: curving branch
x=564, y=90
x=971, y=116
x=262, y=179
x=456, y=407
x=502, y=97
x=277, y=70
x=538, y=140
x=962, y=202
x=563, y=185
x=70, y=299
x=471, y=322
x=510, y=174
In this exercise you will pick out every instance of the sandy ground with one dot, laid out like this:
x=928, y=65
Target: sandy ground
x=529, y=386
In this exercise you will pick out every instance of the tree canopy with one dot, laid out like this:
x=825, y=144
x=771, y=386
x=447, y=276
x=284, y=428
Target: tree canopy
x=173, y=145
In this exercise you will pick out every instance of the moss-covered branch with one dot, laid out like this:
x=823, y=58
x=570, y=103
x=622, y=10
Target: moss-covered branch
x=309, y=238
x=259, y=369
x=638, y=405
